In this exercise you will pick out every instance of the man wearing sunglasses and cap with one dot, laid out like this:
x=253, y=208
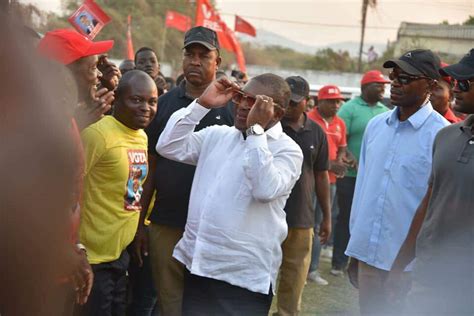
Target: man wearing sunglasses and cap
x=300, y=210
x=172, y=180
x=441, y=234
x=231, y=246
x=394, y=167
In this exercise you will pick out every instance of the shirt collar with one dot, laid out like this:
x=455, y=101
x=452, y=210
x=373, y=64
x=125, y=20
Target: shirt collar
x=306, y=125
x=276, y=131
x=362, y=102
x=449, y=115
x=468, y=124
x=182, y=90
x=417, y=119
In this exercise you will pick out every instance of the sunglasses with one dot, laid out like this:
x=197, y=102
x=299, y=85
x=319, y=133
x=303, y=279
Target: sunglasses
x=240, y=95
x=463, y=85
x=405, y=79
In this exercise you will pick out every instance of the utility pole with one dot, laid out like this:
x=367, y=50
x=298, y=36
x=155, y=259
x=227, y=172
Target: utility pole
x=365, y=5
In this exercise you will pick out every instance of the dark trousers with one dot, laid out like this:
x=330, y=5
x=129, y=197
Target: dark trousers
x=345, y=194
x=109, y=290
x=142, y=289
x=208, y=297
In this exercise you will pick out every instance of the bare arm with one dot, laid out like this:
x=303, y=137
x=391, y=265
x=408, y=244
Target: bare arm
x=321, y=179
x=140, y=243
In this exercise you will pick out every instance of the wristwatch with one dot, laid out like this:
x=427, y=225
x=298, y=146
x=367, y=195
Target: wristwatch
x=255, y=129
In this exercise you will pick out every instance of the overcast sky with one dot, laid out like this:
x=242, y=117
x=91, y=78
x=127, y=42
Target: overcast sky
x=319, y=15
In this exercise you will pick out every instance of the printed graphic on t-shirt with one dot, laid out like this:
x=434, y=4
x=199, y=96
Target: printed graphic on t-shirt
x=138, y=167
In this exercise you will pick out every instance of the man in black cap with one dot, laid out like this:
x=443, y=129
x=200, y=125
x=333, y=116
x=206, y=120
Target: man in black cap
x=172, y=180
x=300, y=211
x=441, y=233
x=394, y=168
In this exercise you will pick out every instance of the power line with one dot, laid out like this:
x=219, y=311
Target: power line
x=312, y=23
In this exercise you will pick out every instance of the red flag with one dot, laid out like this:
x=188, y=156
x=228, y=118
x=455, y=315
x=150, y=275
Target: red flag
x=206, y=16
x=177, y=21
x=243, y=26
x=130, y=51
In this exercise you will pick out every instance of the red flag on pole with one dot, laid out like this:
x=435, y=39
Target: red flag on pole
x=243, y=26
x=130, y=51
x=206, y=16
x=177, y=21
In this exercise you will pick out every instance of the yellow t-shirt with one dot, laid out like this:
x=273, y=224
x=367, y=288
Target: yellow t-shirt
x=116, y=166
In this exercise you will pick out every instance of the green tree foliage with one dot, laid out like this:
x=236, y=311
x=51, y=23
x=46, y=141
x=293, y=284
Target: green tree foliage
x=469, y=21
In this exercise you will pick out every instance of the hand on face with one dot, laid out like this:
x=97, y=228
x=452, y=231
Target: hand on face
x=87, y=114
x=110, y=73
x=262, y=111
x=218, y=93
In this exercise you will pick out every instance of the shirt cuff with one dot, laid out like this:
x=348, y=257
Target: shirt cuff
x=256, y=141
x=197, y=112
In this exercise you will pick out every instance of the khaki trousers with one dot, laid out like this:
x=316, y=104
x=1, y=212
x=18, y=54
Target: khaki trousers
x=373, y=299
x=168, y=273
x=294, y=269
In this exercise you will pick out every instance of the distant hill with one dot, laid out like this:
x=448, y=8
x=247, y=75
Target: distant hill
x=268, y=38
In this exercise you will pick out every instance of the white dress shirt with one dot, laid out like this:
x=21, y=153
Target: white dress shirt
x=236, y=222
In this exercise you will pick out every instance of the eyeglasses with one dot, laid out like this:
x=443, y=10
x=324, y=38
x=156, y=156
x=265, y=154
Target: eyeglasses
x=240, y=95
x=464, y=85
x=405, y=79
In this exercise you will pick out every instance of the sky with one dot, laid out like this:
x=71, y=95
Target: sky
x=316, y=20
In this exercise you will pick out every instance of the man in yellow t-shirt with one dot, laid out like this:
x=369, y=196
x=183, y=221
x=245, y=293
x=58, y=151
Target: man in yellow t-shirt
x=116, y=166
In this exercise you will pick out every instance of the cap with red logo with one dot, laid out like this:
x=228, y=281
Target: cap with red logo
x=68, y=45
x=373, y=76
x=330, y=92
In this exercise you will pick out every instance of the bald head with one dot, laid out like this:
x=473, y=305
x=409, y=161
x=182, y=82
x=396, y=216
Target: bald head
x=136, y=99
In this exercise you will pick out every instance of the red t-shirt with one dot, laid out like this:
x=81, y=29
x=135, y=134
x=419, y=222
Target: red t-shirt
x=335, y=132
x=451, y=117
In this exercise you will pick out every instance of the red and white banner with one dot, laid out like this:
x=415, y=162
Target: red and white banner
x=206, y=16
x=178, y=21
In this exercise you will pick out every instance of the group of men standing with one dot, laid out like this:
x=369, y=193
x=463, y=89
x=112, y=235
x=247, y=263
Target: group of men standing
x=241, y=180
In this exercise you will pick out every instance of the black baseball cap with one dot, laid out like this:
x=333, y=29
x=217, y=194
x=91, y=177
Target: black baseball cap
x=463, y=70
x=202, y=35
x=418, y=62
x=299, y=88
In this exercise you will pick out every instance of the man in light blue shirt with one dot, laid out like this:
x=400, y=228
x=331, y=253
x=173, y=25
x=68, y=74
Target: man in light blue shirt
x=394, y=168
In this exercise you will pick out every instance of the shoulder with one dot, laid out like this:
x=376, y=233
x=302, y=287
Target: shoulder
x=438, y=120
x=101, y=127
x=379, y=120
x=449, y=130
x=287, y=144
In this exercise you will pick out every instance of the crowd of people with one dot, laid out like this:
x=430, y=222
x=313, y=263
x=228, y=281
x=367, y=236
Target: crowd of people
x=210, y=194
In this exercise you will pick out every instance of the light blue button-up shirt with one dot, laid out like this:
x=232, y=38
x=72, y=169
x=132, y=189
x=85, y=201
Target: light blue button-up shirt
x=394, y=168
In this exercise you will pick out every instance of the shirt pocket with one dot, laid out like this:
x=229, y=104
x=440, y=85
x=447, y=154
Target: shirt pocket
x=412, y=171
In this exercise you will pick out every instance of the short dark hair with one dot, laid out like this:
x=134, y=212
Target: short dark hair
x=144, y=49
x=281, y=92
x=124, y=82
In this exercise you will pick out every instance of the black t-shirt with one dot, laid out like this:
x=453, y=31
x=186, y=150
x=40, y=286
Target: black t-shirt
x=312, y=140
x=173, y=180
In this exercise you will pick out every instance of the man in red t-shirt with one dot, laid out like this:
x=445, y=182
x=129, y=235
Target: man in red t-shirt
x=442, y=96
x=329, y=101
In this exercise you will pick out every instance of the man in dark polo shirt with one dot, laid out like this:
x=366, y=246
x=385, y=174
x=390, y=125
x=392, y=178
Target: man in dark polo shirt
x=172, y=180
x=441, y=236
x=300, y=212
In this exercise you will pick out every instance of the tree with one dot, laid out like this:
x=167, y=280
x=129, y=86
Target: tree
x=469, y=21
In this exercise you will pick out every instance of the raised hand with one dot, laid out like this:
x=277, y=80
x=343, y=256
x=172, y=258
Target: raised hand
x=218, y=93
x=110, y=73
x=262, y=111
x=89, y=113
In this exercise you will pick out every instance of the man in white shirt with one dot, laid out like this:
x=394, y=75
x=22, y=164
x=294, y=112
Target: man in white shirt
x=244, y=174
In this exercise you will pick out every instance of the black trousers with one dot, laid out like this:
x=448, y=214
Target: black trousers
x=208, y=297
x=109, y=290
x=345, y=194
